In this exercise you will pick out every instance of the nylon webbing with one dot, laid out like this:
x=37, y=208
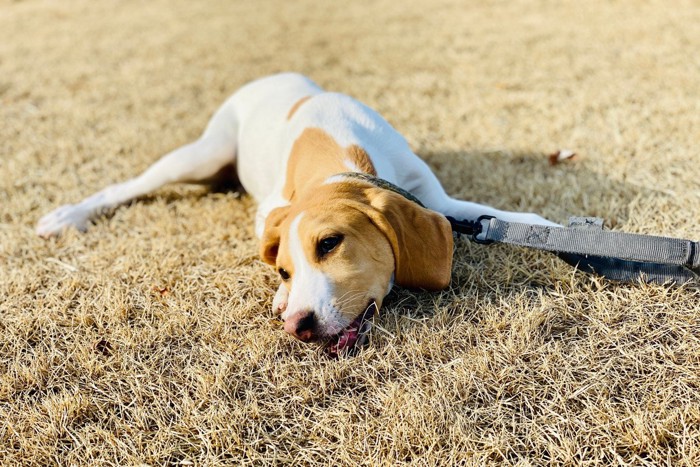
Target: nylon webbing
x=629, y=271
x=614, y=255
x=596, y=242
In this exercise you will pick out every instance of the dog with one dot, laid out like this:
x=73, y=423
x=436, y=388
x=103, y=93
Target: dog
x=338, y=242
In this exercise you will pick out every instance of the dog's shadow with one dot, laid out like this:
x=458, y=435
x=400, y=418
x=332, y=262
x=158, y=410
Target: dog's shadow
x=526, y=181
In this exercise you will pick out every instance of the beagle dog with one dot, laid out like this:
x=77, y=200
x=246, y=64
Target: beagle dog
x=338, y=242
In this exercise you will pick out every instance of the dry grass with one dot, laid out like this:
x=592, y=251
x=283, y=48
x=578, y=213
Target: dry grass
x=150, y=340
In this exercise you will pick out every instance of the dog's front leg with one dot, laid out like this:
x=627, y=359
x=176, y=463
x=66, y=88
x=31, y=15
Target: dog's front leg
x=432, y=194
x=279, y=303
x=465, y=210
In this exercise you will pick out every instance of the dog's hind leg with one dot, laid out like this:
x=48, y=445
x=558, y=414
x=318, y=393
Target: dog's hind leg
x=194, y=162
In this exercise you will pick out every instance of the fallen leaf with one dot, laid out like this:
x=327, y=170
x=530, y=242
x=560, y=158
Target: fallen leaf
x=561, y=156
x=161, y=290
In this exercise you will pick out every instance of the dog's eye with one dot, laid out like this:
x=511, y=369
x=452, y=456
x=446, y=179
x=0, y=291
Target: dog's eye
x=283, y=274
x=328, y=244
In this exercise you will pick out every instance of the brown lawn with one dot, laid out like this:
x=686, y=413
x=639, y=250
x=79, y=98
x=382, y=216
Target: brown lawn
x=150, y=340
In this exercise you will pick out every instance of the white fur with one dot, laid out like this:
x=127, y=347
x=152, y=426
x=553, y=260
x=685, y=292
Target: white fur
x=311, y=290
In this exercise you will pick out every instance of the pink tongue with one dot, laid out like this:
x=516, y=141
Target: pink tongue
x=347, y=339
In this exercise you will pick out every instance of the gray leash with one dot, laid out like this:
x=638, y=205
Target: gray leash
x=584, y=244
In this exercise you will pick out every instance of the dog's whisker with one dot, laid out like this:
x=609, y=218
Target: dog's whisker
x=349, y=297
x=348, y=293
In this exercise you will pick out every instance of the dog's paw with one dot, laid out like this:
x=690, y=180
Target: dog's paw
x=279, y=303
x=55, y=222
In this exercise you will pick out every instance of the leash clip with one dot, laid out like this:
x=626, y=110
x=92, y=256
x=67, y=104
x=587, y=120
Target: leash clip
x=477, y=230
x=481, y=236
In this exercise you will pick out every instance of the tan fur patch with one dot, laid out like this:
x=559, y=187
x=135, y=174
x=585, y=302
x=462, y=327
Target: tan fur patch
x=315, y=156
x=360, y=158
x=296, y=106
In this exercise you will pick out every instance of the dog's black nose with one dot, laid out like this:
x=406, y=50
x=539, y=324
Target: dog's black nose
x=301, y=325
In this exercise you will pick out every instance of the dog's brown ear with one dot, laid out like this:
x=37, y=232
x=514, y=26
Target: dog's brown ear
x=421, y=240
x=270, y=242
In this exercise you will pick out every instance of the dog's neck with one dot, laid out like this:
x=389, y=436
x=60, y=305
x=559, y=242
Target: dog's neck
x=315, y=157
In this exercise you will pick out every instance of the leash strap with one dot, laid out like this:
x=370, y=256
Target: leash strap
x=614, y=255
x=629, y=271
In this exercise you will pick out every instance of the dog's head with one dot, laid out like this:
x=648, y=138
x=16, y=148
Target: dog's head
x=339, y=249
